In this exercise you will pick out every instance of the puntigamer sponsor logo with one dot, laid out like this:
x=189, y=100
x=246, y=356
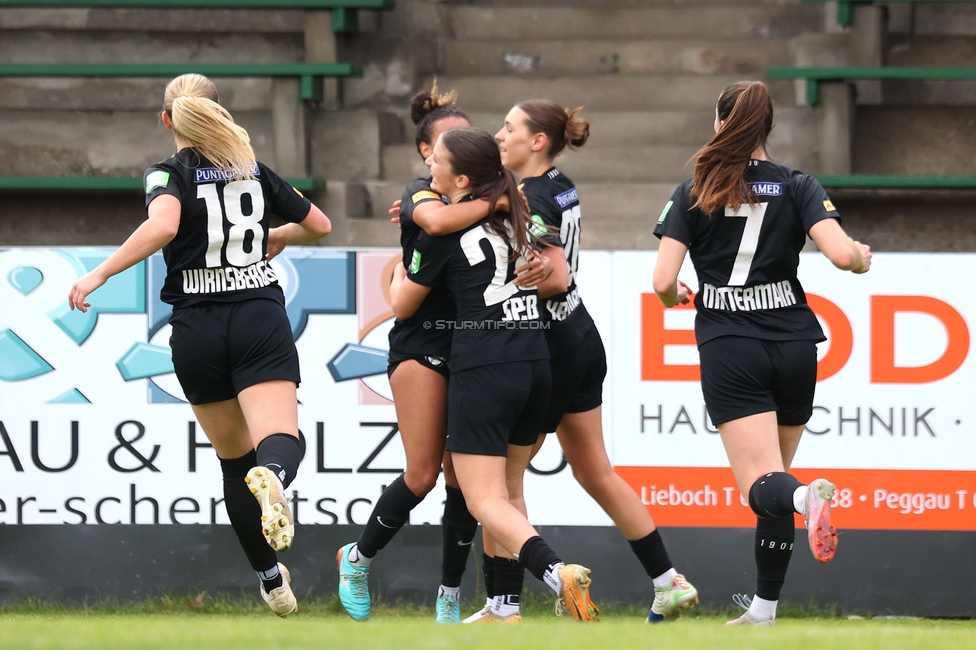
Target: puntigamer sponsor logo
x=566, y=198
x=213, y=174
x=767, y=189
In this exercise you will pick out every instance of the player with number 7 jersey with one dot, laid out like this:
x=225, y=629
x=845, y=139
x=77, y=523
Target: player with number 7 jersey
x=209, y=209
x=744, y=221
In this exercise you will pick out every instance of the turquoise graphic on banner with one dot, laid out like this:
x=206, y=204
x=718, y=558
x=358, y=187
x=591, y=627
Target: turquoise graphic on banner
x=73, y=396
x=357, y=361
x=25, y=279
x=18, y=361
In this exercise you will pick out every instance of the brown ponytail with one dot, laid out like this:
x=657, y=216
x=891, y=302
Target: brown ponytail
x=561, y=127
x=746, y=113
x=474, y=153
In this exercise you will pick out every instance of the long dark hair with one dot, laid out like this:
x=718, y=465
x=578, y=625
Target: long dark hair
x=429, y=107
x=474, y=153
x=747, y=115
x=561, y=127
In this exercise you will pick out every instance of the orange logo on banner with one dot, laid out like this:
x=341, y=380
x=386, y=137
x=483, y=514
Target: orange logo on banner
x=865, y=498
x=653, y=339
x=883, y=368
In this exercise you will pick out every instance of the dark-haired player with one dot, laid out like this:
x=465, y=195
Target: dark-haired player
x=209, y=208
x=534, y=133
x=499, y=360
x=418, y=374
x=744, y=220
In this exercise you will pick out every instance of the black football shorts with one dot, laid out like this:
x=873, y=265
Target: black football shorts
x=744, y=376
x=577, y=380
x=491, y=407
x=221, y=348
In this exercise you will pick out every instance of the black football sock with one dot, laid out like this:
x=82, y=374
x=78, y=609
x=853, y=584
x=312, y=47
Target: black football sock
x=540, y=560
x=390, y=513
x=774, y=547
x=458, y=528
x=772, y=495
x=245, y=518
x=281, y=453
x=488, y=569
x=652, y=554
x=509, y=576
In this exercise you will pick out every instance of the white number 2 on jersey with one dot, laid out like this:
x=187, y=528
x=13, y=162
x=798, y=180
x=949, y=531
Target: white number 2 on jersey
x=498, y=291
x=754, y=215
x=241, y=224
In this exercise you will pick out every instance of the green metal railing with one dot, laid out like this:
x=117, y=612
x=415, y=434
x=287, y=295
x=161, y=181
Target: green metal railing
x=310, y=75
x=880, y=181
x=344, y=12
x=114, y=183
x=845, y=8
x=814, y=76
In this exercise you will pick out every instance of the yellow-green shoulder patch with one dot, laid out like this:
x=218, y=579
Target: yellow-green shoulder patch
x=298, y=193
x=156, y=179
x=415, y=262
x=537, y=227
x=425, y=195
x=828, y=206
x=664, y=213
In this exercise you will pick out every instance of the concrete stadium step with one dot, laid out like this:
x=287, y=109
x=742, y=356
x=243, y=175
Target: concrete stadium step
x=931, y=51
x=655, y=163
x=628, y=128
x=155, y=20
x=555, y=58
x=555, y=23
x=43, y=46
x=598, y=93
x=944, y=19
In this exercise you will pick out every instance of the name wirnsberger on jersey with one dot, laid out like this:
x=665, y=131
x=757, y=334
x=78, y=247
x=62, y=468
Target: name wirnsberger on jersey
x=760, y=296
x=561, y=308
x=230, y=278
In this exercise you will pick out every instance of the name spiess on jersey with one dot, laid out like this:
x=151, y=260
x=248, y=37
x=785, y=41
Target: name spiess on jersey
x=521, y=308
x=761, y=296
x=560, y=308
x=230, y=278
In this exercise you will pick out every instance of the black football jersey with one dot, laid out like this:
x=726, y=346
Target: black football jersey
x=747, y=259
x=553, y=200
x=409, y=337
x=218, y=254
x=497, y=321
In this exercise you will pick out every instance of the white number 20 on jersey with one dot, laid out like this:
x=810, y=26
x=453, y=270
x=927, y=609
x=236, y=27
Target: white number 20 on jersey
x=241, y=224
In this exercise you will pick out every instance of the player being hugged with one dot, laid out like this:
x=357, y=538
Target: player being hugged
x=209, y=209
x=745, y=220
x=534, y=133
x=499, y=359
x=418, y=370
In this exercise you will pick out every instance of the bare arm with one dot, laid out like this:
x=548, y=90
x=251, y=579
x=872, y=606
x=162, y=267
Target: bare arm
x=669, y=289
x=406, y=295
x=438, y=219
x=841, y=250
x=558, y=279
x=154, y=233
x=313, y=227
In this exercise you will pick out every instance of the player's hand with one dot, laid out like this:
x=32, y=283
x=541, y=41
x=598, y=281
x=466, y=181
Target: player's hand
x=275, y=245
x=537, y=269
x=502, y=204
x=395, y=209
x=82, y=287
x=684, y=294
x=866, y=256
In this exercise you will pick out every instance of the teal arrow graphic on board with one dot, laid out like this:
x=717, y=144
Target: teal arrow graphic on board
x=18, y=361
x=145, y=360
x=357, y=361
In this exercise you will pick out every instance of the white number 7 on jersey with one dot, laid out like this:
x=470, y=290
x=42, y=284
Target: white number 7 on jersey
x=754, y=215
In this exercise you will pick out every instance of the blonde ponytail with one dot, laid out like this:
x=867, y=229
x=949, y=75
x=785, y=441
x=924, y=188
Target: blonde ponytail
x=191, y=103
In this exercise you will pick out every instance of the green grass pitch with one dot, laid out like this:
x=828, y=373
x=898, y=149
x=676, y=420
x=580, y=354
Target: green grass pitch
x=177, y=623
